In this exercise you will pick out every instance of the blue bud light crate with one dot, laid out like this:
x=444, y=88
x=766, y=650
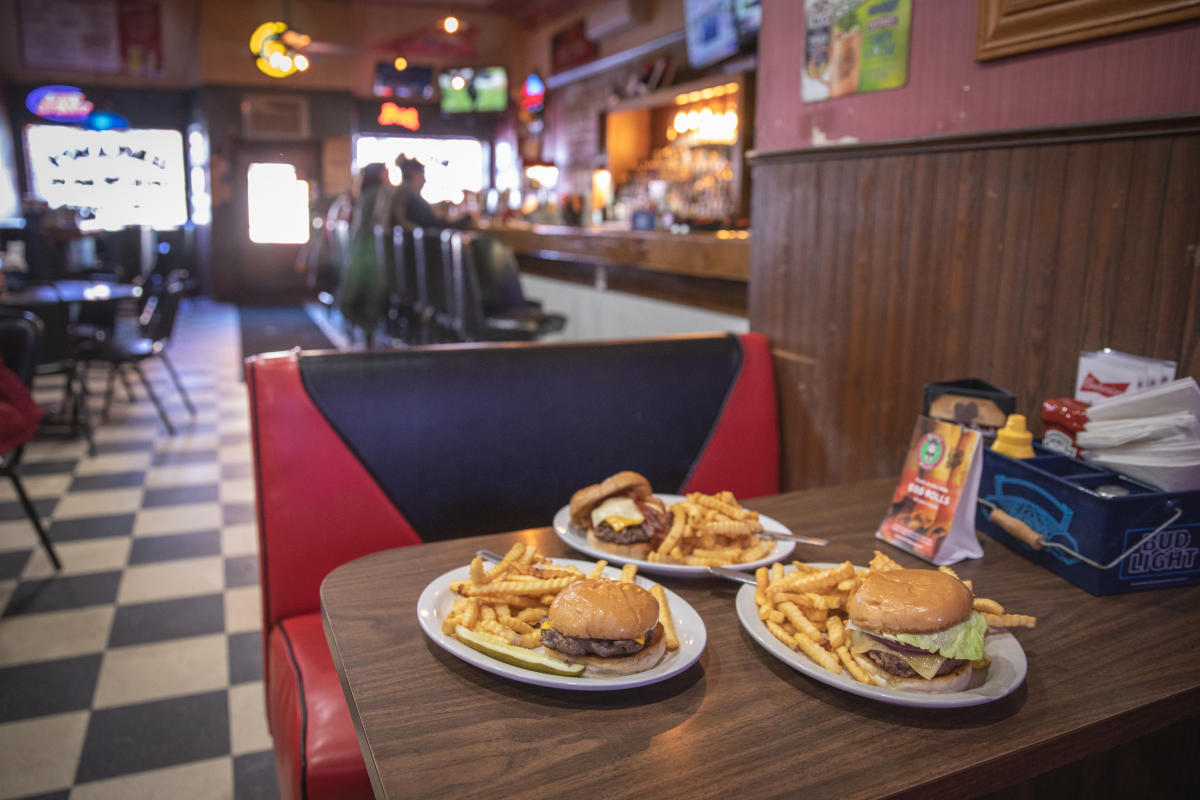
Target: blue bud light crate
x=1070, y=502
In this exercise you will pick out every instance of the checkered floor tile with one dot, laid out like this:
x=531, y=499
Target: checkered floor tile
x=136, y=672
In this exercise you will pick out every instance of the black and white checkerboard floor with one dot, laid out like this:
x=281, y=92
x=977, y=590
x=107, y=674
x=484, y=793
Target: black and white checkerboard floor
x=137, y=672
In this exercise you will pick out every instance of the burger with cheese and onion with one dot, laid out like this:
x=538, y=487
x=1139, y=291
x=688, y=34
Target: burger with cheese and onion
x=620, y=515
x=915, y=630
x=610, y=627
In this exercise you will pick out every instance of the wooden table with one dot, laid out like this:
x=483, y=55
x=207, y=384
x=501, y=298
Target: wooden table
x=740, y=723
x=68, y=291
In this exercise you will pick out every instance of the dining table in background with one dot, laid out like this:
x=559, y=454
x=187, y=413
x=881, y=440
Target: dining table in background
x=60, y=305
x=1102, y=672
x=70, y=291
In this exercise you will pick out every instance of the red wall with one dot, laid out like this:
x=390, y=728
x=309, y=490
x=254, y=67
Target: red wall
x=1152, y=73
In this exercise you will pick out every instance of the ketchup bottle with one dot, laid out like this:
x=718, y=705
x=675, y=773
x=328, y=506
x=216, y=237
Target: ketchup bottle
x=1062, y=418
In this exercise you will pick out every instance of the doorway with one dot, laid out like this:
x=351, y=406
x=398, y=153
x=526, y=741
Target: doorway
x=274, y=188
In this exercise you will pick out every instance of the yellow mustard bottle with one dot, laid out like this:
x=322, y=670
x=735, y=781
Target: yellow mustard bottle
x=1014, y=439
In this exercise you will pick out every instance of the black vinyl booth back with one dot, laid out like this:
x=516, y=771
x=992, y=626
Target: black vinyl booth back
x=476, y=441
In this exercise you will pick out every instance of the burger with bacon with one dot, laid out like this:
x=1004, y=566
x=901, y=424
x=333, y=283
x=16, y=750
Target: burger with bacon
x=620, y=515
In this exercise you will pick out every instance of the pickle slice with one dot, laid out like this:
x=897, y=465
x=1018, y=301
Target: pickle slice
x=517, y=656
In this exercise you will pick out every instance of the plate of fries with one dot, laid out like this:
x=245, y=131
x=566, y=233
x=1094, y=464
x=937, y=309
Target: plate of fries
x=508, y=600
x=793, y=613
x=706, y=530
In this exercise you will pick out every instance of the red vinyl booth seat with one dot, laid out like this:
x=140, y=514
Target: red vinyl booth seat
x=360, y=452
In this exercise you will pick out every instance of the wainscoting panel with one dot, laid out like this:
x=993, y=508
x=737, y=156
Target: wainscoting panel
x=878, y=269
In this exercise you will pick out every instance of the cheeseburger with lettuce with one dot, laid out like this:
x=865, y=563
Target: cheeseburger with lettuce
x=915, y=630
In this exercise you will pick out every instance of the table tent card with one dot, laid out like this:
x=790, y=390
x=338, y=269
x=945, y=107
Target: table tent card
x=932, y=514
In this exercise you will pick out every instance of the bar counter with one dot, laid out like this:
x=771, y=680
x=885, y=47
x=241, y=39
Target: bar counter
x=703, y=255
x=706, y=269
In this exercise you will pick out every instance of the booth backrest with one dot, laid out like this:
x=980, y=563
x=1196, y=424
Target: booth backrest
x=358, y=452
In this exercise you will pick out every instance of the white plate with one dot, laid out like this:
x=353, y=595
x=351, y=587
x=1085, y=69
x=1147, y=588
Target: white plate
x=577, y=538
x=1005, y=674
x=437, y=600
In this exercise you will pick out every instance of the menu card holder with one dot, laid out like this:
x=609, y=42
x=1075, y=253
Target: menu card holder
x=932, y=514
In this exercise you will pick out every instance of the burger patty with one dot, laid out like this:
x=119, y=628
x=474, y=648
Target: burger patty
x=577, y=646
x=630, y=535
x=895, y=665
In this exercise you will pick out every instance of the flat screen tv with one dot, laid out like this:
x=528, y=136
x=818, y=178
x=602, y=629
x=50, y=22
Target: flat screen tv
x=748, y=14
x=411, y=83
x=473, y=89
x=712, y=33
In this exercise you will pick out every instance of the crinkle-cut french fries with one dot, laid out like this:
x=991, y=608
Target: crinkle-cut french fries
x=804, y=608
x=508, y=602
x=711, y=530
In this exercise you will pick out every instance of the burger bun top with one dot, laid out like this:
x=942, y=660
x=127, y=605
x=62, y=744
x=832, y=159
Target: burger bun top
x=599, y=608
x=909, y=601
x=587, y=498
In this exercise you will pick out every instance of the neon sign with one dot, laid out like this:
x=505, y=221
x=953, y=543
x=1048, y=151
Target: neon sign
x=276, y=49
x=59, y=103
x=405, y=117
x=533, y=94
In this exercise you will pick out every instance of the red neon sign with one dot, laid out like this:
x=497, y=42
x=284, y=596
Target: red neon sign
x=405, y=117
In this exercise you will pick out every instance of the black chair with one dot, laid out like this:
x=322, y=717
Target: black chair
x=472, y=322
x=20, y=334
x=403, y=317
x=499, y=275
x=156, y=324
x=432, y=302
x=57, y=355
x=339, y=238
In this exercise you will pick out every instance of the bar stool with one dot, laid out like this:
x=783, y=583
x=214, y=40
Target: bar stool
x=519, y=320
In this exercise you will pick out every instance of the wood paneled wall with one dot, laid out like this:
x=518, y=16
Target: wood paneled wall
x=878, y=269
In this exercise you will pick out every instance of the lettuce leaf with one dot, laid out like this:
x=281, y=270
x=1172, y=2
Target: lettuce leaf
x=963, y=641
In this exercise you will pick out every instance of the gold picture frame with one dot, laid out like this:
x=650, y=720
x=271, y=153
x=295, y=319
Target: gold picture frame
x=1009, y=27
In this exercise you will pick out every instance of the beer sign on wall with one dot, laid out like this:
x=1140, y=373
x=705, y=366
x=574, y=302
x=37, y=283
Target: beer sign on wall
x=59, y=103
x=854, y=46
x=401, y=116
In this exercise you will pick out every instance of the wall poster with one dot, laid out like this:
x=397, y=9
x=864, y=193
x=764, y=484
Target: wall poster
x=854, y=46
x=109, y=36
x=571, y=47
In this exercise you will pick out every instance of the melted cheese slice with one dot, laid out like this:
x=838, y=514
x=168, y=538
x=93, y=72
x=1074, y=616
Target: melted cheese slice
x=924, y=665
x=618, y=512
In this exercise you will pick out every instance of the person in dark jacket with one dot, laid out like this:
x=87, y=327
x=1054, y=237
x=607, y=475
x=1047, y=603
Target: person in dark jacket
x=409, y=208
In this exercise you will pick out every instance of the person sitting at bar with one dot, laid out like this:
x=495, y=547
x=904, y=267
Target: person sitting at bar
x=409, y=209
x=362, y=293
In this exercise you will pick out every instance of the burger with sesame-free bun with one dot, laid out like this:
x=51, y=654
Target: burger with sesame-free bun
x=611, y=627
x=915, y=630
x=620, y=515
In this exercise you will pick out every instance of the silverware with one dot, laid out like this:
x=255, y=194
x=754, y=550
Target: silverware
x=791, y=537
x=733, y=575
x=488, y=555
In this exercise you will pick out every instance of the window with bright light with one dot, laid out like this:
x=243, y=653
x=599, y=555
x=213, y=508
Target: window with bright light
x=199, y=197
x=114, y=178
x=452, y=166
x=278, y=204
x=508, y=173
x=10, y=206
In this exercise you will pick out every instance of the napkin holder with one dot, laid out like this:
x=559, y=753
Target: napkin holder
x=1098, y=514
